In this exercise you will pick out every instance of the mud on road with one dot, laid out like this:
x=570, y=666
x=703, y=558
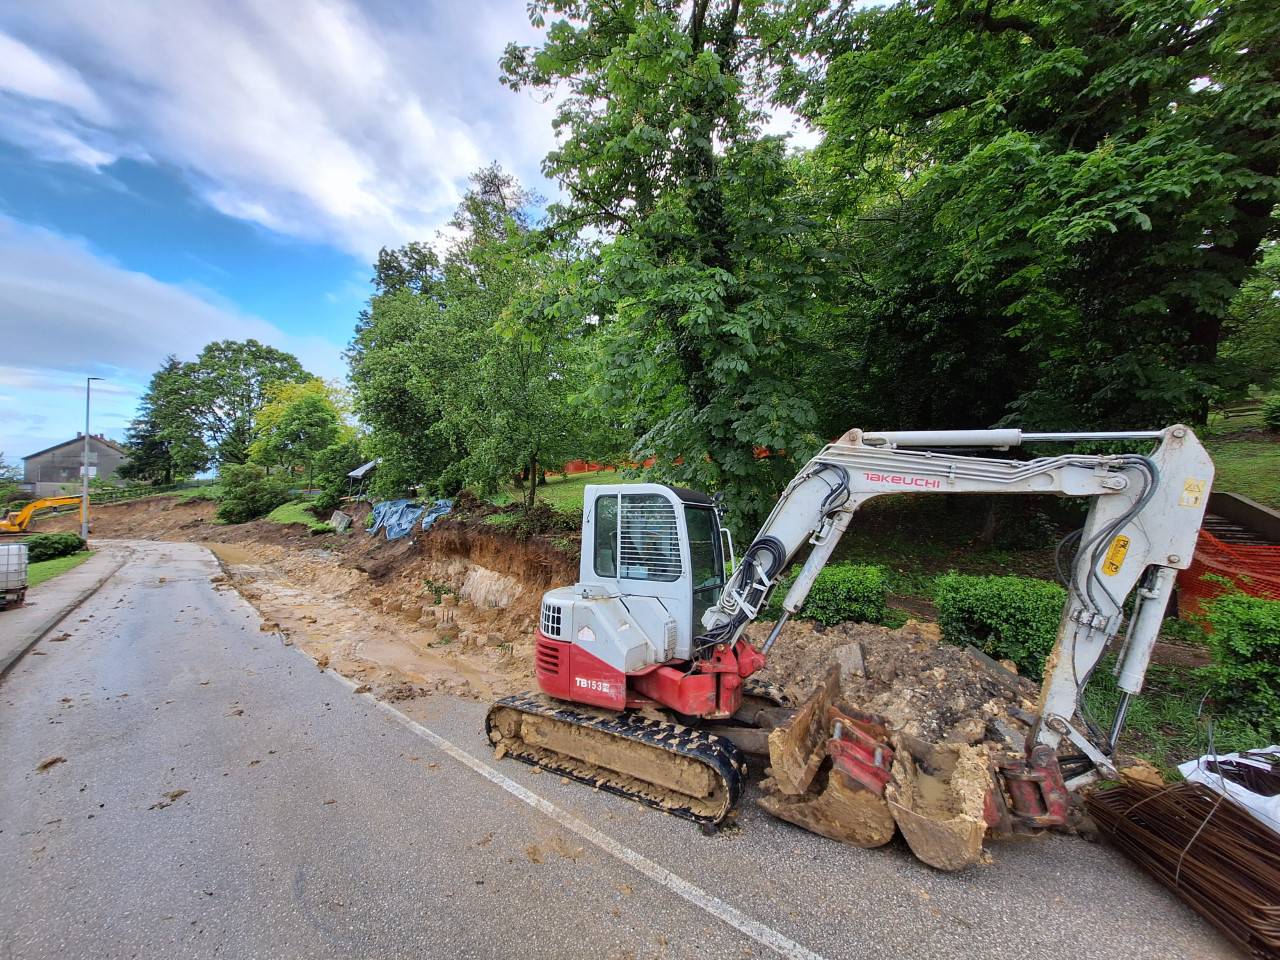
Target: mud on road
x=453, y=611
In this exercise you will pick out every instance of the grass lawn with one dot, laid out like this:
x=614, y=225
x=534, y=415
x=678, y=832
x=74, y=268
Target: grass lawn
x=210, y=491
x=38, y=573
x=295, y=511
x=564, y=493
x=1250, y=467
x=1246, y=455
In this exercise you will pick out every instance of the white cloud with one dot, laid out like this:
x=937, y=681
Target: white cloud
x=67, y=313
x=25, y=72
x=318, y=120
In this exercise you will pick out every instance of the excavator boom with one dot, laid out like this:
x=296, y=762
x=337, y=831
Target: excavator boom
x=17, y=521
x=1146, y=511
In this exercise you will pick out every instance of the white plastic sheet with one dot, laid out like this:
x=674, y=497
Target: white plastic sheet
x=1265, y=809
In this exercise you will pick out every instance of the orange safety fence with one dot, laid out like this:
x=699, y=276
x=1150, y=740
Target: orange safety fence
x=1254, y=569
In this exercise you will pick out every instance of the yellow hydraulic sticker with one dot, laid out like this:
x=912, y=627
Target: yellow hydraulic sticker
x=1192, y=493
x=1115, y=555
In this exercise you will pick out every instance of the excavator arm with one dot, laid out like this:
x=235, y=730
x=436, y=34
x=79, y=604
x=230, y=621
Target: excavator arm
x=17, y=521
x=1144, y=516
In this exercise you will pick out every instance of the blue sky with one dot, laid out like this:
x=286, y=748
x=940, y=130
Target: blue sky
x=225, y=169
x=177, y=173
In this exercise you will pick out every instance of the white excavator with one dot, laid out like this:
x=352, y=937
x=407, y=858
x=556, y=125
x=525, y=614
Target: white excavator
x=645, y=674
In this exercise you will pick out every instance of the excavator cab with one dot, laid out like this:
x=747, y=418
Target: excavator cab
x=653, y=563
x=652, y=541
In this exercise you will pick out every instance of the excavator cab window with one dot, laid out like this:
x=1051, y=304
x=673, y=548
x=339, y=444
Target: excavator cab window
x=649, y=544
x=606, y=537
x=707, y=559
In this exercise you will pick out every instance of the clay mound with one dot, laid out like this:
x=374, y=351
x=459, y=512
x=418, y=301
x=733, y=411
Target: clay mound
x=920, y=686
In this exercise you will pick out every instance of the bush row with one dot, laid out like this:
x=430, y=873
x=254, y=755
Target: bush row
x=842, y=592
x=1017, y=618
x=1010, y=618
x=50, y=546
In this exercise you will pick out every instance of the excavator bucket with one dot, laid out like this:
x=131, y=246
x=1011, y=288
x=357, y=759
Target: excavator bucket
x=938, y=796
x=838, y=772
x=829, y=765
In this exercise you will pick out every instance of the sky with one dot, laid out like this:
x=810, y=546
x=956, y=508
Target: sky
x=199, y=170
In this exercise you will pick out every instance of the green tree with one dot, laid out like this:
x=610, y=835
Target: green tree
x=708, y=265
x=1059, y=199
x=478, y=369
x=10, y=477
x=1252, y=343
x=228, y=383
x=164, y=439
x=387, y=365
x=296, y=424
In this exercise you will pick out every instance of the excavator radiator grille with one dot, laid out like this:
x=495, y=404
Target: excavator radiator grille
x=547, y=658
x=552, y=620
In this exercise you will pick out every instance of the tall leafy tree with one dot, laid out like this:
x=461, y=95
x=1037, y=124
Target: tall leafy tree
x=10, y=475
x=228, y=383
x=708, y=265
x=1069, y=194
x=1251, y=347
x=298, y=422
x=164, y=439
x=476, y=376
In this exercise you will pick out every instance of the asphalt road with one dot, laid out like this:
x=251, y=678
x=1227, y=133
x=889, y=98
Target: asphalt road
x=315, y=822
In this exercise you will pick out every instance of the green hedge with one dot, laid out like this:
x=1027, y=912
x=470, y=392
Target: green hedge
x=1245, y=673
x=248, y=493
x=1014, y=618
x=1271, y=412
x=50, y=546
x=842, y=592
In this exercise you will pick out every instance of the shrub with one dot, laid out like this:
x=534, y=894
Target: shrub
x=1013, y=618
x=842, y=592
x=847, y=591
x=450, y=481
x=1245, y=673
x=248, y=493
x=50, y=546
x=1271, y=412
x=539, y=519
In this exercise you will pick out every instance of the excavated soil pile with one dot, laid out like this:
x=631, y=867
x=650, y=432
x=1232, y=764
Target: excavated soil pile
x=945, y=713
x=919, y=685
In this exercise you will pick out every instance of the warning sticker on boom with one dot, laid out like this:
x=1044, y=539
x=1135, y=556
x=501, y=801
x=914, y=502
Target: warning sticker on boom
x=1115, y=555
x=1192, y=493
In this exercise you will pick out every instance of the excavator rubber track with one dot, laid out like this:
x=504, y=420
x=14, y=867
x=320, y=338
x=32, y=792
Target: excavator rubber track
x=683, y=771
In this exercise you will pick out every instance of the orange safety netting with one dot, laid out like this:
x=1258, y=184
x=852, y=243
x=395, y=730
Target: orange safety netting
x=1254, y=569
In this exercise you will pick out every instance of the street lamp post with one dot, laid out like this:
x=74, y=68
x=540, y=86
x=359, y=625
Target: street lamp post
x=84, y=467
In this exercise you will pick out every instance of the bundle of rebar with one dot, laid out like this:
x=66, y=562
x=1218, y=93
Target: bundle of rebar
x=1205, y=848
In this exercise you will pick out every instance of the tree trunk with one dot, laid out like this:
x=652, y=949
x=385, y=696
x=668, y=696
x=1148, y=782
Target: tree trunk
x=532, y=490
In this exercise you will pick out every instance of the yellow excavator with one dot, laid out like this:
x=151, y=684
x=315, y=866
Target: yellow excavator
x=16, y=521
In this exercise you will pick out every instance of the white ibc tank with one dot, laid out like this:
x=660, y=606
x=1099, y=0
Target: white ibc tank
x=13, y=566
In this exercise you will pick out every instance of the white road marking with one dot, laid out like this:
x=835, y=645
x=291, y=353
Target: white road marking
x=757, y=931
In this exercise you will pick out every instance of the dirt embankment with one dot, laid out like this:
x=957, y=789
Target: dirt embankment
x=453, y=610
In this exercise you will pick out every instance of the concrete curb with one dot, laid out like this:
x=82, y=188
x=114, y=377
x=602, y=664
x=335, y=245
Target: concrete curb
x=16, y=649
